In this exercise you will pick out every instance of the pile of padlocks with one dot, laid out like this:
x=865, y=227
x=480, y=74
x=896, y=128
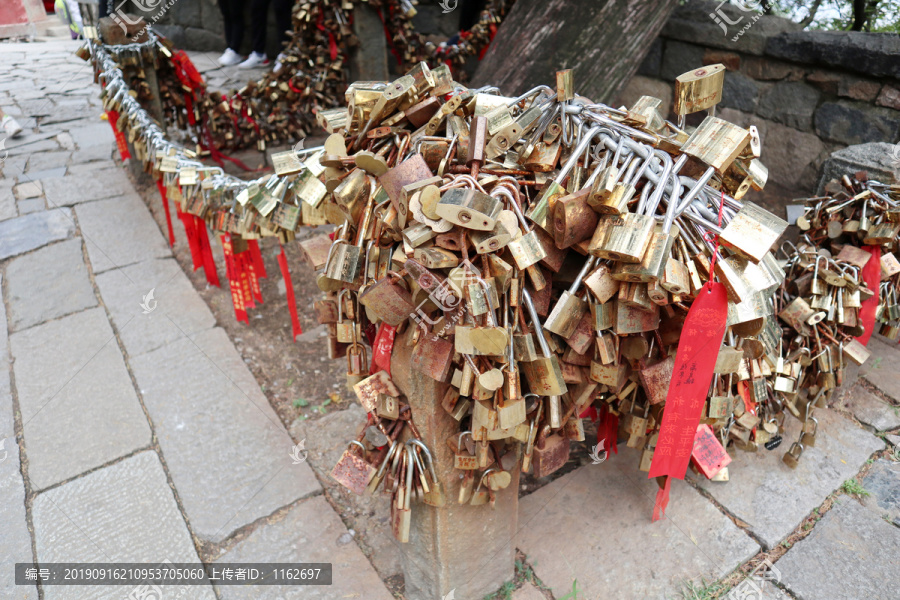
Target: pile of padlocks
x=281, y=106
x=842, y=277
x=547, y=250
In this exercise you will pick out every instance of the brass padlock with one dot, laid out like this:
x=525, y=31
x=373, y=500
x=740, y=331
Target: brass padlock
x=469, y=208
x=352, y=471
x=543, y=374
x=569, y=310
x=792, y=457
x=389, y=300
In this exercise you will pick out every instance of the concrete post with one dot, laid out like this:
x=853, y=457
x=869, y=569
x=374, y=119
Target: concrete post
x=468, y=549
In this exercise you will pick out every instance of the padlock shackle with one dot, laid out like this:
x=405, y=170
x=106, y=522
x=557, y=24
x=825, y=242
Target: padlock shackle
x=538, y=328
x=588, y=265
x=576, y=153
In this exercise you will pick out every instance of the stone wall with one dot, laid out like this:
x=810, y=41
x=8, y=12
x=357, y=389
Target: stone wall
x=809, y=92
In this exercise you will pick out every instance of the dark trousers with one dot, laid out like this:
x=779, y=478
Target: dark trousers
x=259, y=12
x=233, y=17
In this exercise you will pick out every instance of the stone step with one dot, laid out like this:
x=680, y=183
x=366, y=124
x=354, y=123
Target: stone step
x=123, y=513
x=772, y=498
x=850, y=554
x=16, y=545
x=594, y=525
x=79, y=407
x=309, y=532
x=228, y=454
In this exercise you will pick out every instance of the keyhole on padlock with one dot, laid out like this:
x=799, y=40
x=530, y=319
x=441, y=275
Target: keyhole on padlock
x=465, y=217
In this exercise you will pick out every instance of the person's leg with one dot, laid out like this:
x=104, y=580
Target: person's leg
x=234, y=26
x=283, y=11
x=259, y=13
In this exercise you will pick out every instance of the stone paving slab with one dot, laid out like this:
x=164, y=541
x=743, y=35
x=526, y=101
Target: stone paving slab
x=31, y=205
x=86, y=187
x=325, y=441
x=7, y=200
x=773, y=499
x=528, y=592
x=176, y=308
x=226, y=450
x=16, y=546
x=308, y=532
x=574, y=528
x=882, y=368
x=42, y=161
x=48, y=283
x=92, y=134
x=79, y=407
x=851, y=554
x=883, y=484
x=97, y=152
x=123, y=513
x=119, y=232
x=24, y=234
x=29, y=189
x=870, y=409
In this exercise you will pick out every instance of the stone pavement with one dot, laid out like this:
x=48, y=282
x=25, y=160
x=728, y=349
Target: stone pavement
x=132, y=430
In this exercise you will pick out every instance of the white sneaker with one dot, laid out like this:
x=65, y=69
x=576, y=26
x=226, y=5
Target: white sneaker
x=279, y=61
x=229, y=58
x=11, y=126
x=255, y=59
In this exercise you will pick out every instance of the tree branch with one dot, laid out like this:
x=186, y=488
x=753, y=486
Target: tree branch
x=812, y=14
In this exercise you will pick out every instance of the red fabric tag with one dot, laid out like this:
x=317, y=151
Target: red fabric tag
x=259, y=267
x=190, y=231
x=253, y=277
x=871, y=274
x=662, y=500
x=209, y=262
x=708, y=454
x=382, y=348
x=231, y=271
x=244, y=279
x=165, y=202
x=289, y=288
x=701, y=338
x=743, y=388
x=113, y=117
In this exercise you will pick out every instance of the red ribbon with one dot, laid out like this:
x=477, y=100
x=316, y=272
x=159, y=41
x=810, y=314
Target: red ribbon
x=695, y=359
x=289, y=289
x=662, y=500
x=113, y=117
x=382, y=348
x=871, y=274
x=186, y=72
x=234, y=283
x=165, y=202
x=209, y=263
x=256, y=256
x=190, y=231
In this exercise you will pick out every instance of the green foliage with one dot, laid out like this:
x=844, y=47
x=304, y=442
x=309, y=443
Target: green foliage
x=301, y=403
x=852, y=487
x=573, y=595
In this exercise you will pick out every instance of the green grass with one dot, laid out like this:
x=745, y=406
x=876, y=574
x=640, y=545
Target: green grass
x=301, y=403
x=704, y=591
x=852, y=487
